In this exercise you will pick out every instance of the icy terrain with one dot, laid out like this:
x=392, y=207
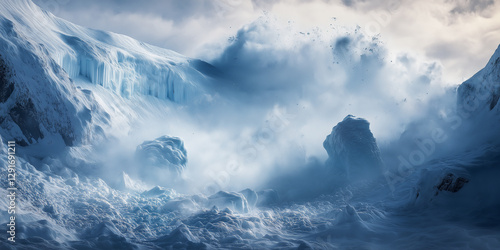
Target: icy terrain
x=123, y=145
x=114, y=61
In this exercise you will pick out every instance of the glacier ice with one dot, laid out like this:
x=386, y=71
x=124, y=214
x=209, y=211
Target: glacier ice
x=43, y=102
x=125, y=74
x=117, y=62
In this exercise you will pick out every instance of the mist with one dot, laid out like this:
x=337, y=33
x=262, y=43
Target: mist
x=277, y=136
x=280, y=90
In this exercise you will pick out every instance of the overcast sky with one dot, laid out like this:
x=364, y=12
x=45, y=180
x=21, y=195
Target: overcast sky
x=460, y=34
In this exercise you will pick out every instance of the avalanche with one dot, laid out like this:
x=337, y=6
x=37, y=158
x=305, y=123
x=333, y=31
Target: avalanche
x=73, y=98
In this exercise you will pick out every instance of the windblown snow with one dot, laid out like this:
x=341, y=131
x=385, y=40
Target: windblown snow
x=86, y=109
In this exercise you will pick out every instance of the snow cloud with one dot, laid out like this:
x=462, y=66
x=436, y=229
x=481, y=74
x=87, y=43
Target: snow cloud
x=313, y=62
x=306, y=82
x=459, y=33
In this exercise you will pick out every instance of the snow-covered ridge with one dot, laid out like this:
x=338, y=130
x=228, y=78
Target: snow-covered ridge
x=482, y=91
x=38, y=99
x=114, y=61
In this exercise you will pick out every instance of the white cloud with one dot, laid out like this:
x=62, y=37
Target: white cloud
x=461, y=34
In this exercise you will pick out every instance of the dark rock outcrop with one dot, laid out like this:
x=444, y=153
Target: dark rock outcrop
x=452, y=183
x=352, y=149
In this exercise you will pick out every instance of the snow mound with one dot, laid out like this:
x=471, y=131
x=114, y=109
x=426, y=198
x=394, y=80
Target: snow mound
x=181, y=237
x=458, y=183
x=45, y=230
x=105, y=235
x=231, y=200
x=158, y=191
x=352, y=149
x=165, y=152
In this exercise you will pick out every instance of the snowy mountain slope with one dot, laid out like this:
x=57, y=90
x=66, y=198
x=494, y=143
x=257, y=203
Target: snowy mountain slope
x=481, y=92
x=38, y=97
x=44, y=59
x=478, y=112
x=63, y=86
x=114, y=61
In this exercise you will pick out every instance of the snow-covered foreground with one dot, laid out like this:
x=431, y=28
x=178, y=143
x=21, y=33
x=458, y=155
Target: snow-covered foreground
x=122, y=145
x=68, y=211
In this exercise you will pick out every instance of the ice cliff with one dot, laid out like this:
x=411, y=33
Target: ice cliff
x=117, y=62
x=42, y=57
x=37, y=98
